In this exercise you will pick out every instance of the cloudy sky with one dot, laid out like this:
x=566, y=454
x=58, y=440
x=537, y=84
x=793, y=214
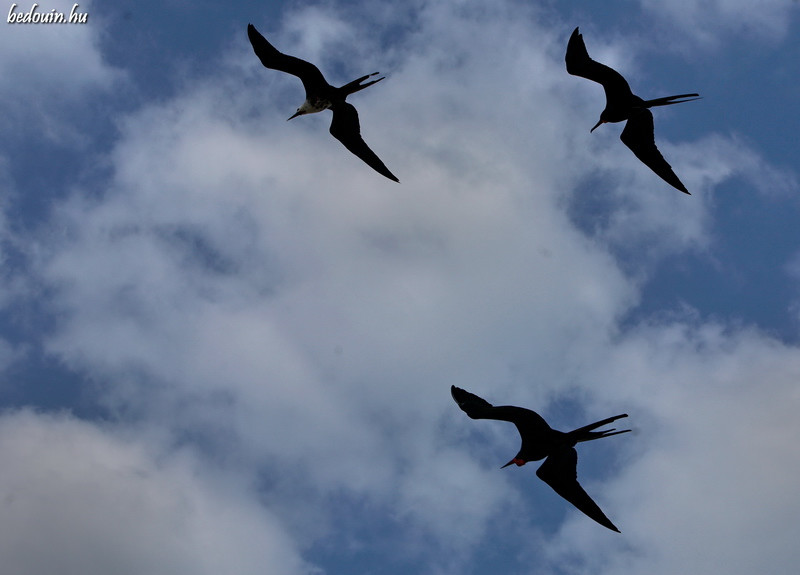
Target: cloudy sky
x=227, y=344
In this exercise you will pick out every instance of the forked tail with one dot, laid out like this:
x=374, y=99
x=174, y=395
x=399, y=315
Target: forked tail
x=671, y=100
x=356, y=85
x=585, y=433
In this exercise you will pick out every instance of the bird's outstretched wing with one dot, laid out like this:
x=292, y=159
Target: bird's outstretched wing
x=346, y=128
x=639, y=136
x=579, y=63
x=528, y=422
x=312, y=78
x=560, y=471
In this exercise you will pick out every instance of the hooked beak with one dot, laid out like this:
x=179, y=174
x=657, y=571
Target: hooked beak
x=596, y=126
x=297, y=113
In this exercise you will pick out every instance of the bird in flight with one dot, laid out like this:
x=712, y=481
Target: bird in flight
x=320, y=96
x=622, y=104
x=540, y=441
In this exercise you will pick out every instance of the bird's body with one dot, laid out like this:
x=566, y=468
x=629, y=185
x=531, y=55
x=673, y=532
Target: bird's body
x=315, y=104
x=320, y=95
x=623, y=105
x=540, y=441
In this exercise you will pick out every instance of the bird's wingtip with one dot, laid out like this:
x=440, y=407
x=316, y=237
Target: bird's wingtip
x=388, y=175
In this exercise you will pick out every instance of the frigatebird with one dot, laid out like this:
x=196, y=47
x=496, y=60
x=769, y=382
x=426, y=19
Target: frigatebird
x=540, y=441
x=320, y=96
x=622, y=104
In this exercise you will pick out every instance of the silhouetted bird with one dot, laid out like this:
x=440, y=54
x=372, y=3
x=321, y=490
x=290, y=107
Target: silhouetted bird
x=622, y=104
x=539, y=440
x=320, y=95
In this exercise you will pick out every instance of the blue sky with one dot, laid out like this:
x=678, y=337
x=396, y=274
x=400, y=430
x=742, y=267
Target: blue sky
x=227, y=344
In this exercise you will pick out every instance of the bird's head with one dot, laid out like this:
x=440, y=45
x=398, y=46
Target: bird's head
x=299, y=112
x=518, y=461
x=603, y=120
x=597, y=125
x=306, y=108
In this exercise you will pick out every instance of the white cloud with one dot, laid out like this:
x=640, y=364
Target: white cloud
x=46, y=69
x=712, y=483
x=705, y=21
x=78, y=499
x=50, y=57
x=332, y=308
x=645, y=211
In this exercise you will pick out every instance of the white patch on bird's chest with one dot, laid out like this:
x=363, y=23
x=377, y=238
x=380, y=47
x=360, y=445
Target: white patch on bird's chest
x=314, y=105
